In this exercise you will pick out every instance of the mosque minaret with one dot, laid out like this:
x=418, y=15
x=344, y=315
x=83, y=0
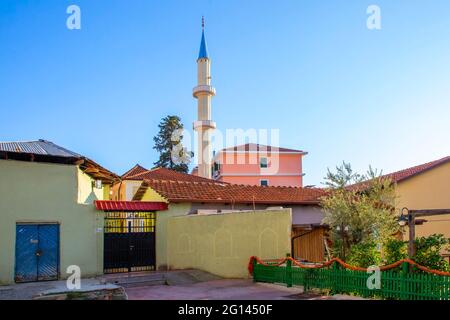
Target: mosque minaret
x=204, y=126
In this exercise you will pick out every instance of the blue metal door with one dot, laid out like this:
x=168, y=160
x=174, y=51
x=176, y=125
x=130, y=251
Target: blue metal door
x=37, y=252
x=48, y=254
x=27, y=239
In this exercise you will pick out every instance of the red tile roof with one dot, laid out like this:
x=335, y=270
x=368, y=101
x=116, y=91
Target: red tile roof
x=404, y=174
x=128, y=206
x=259, y=147
x=169, y=175
x=188, y=191
x=133, y=171
x=410, y=172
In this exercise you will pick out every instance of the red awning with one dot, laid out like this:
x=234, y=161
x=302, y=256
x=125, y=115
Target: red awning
x=128, y=206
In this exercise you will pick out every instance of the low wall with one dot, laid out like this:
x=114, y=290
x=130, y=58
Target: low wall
x=223, y=243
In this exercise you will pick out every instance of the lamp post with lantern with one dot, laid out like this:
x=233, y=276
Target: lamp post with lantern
x=408, y=217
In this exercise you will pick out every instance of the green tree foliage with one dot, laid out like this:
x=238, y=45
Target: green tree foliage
x=428, y=252
x=364, y=254
x=394, y=250
x=172, y=154
x=358, y=208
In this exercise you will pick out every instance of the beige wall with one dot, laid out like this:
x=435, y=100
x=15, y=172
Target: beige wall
x=428, y=190
x=48, y=193
x=223, y=243
x=162, y=238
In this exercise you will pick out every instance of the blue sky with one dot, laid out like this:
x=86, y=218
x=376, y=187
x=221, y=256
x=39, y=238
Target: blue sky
x=309, y=68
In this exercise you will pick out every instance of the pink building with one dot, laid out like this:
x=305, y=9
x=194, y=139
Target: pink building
x=256, y=164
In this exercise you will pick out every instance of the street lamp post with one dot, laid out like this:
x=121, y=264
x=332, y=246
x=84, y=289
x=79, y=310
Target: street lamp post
x=409, y=217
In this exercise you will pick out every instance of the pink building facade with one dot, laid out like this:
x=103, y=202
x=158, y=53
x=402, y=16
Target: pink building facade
x=259, y=165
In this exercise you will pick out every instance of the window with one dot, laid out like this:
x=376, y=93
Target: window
x=264, y=183
x=263, y=163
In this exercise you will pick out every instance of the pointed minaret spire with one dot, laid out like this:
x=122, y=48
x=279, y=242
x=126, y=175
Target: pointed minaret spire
x=204, y=125
x=203, y=47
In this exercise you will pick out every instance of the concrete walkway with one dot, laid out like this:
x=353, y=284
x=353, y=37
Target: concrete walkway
x=172, y=285
x=212, y=290
x=26, y=291
x=200, y=285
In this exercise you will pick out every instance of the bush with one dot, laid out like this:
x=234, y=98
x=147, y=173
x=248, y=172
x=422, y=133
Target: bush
x=364, y=254
x=428, y=252
x=395, y=250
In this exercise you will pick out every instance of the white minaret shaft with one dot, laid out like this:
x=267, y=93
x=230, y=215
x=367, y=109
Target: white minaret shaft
x=204, y=126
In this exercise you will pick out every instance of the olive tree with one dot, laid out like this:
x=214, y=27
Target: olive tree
x=358, y=208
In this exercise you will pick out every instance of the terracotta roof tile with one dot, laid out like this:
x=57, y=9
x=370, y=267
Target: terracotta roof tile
x=404, y=174
x=137, y=169
x=189, y=191
x=408, y=173
x=167, y=174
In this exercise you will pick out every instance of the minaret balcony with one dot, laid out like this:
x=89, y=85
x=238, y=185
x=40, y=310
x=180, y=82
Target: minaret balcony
x=203, y=89
x=204, y=124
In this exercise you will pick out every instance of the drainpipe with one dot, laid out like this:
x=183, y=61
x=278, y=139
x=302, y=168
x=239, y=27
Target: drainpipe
x=118, y=190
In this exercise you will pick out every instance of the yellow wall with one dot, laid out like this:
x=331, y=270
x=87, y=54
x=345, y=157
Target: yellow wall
x=48, y=193
x=152, y=195
x=428, y=190
x=106, y=192
x=87, y=193
x=223, y=243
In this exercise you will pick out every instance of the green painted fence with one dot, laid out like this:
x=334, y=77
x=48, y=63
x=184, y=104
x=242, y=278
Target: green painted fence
x=399, y=283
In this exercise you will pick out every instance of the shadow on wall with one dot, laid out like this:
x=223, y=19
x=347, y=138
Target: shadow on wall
x=90, y=198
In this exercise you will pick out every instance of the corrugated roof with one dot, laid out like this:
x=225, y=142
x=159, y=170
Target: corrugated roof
x=130, y=206
x=48, y=152
x=41, y=147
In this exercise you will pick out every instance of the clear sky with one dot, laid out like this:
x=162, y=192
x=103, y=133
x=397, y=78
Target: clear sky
x=309, y=68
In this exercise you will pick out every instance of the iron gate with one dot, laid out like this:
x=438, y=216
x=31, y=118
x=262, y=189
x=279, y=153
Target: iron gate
x=129, y=242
